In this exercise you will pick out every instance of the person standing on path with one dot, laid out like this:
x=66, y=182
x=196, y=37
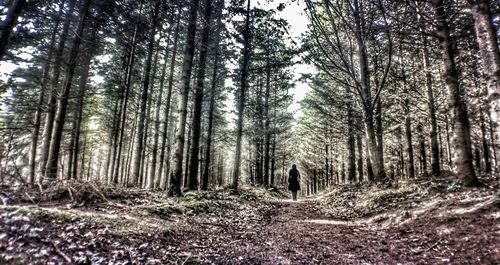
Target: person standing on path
x=294, y=181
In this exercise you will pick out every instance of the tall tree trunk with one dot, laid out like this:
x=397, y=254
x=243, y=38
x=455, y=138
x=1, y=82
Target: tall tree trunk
x=138, y=154
x=379, y=129
x=448, y=141
x=153, y=180
x=359, y=143
x=198, y=99
x=273, y=159
x=122, y=113
x=431, y=109
x=376, y=160
x=490, y=56
x=423, y=151
x=154, y=174
x=369, y=168
x=486, y=148
x=461, y=129
x=55, y=144
x=51, y=105
x=409, y=141
x=242, y=95
x=408, y=130
x=77, y=122
x=176, y=176
x=493, y=145
x=168, y=104
x=213, y=91
x=351, y=147
x=41, y=97
x=267, y=122
x=8, y=24
x=188, y=149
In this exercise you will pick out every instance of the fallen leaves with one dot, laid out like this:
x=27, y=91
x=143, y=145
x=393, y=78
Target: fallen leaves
x=437, y=221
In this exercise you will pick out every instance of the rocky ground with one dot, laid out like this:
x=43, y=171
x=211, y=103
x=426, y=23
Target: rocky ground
x=429, y=222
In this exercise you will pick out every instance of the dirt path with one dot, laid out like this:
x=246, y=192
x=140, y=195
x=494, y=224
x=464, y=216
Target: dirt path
x=297, y=233
x=454, y=228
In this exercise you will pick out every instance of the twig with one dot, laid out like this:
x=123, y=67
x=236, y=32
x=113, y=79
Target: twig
x=235, y=241
x=39, y=184
x=58, y=251
x=435, y=245
x=29, y=197
x=99, y=192
x=429, y=248
x=71, y=194
x=18, y=175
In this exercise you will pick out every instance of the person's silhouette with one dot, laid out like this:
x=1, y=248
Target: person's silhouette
x=294, y=181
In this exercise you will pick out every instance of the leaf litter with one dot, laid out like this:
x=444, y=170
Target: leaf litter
x=427, y=222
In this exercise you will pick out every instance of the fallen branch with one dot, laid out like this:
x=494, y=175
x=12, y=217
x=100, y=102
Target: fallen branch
x=93, y=186
x=427, y=249
x=71, y=194
x=435, y=245
x=58, y=251
x=30, y=198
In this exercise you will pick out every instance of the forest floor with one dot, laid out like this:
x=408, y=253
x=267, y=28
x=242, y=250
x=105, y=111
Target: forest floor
x=425, y=222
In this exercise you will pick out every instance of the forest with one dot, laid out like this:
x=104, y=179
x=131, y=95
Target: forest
x=168, y=131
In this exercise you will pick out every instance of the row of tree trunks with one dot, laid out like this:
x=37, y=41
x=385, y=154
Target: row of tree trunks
x=431, y=109
x=462, y=149
x=78, y=117
x=198, y=99
x=41, y=97
x=138, y=153
x=55, y=145
x=213, y=91
x=241, y=100
x=51, y=105
x=166, y=145
x=490, y=55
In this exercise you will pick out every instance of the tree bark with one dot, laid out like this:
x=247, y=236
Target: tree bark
x=213, y=91
x=122, y=113
x=242, y=95
x=51, y=105
x=138, y=154
x=461, y=130
x=41, y=97
x=431, y=109
x=486, y=149
x=165, y=139
x=176, y=175
x=77, y=122
x=359, y=143
x=376, y=160
x=55, y=144
x=490, y=56
x=194, y=161
x=351, y=147
x=423, y=151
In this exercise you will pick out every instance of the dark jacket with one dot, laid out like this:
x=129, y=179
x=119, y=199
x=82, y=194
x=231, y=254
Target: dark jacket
x=293, y=180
